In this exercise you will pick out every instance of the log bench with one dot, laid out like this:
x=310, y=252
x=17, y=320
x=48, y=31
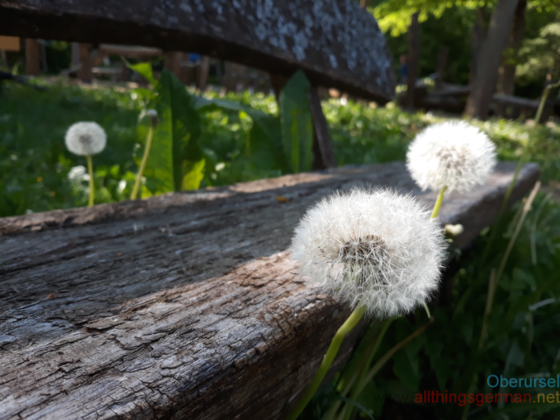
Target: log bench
x=184, y=305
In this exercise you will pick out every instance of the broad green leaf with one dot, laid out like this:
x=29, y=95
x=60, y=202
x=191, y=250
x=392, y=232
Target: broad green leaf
x=174, y=145
x=265, y=143
x=296, y=125
x=145, y=69
x=194, y=173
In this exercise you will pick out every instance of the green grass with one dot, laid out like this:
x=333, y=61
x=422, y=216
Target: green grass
x=34, y=162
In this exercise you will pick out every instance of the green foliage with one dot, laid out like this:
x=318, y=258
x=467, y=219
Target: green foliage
x=296, y=126
x=176, y=161
x=446, y=356
x=240, y=140
x=541, y=55
x=34, y=162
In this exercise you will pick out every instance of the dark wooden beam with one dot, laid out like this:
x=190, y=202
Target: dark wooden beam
x=336, y=43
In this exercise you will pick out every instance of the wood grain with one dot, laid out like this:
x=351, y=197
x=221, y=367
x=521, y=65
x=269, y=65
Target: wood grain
x=335, y=42
x=185, y=305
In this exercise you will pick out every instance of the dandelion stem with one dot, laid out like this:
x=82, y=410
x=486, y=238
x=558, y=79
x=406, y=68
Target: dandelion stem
x=439, y=200
x=494, y=279
x=143, y=164
x=427, y=310
x=367, y=377
x=90, y=171
x=360, y=369
x=348, y=325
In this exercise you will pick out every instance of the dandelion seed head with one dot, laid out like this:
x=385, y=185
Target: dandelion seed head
x=452, y=154
x=85, y=139
x=373, y=247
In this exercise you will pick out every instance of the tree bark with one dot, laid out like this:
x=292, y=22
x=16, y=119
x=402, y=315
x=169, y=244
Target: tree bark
x=32, y=57
x=506, y=73
x=477, y=39
x=187, y=305
x=412, y=60
x=478, y=103
x=441, y=63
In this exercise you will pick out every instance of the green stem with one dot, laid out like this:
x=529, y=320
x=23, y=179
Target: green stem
x=366, y=378
x=439, y=200
x=543, y=100
x=348, y=325
x=360, y=369
x=143, y=164
x=90, y=171
x=502, y=209
x=494, y=279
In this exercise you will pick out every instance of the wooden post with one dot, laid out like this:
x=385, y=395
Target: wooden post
x=323, y=155
x=84, y=74
x=412, y=60
x=440, y=66
x=31, y=57
x=203, y=72
x=228, y=82
x=173, y=62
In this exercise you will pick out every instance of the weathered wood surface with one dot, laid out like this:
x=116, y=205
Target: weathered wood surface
x=185, y=305
x=337, y=43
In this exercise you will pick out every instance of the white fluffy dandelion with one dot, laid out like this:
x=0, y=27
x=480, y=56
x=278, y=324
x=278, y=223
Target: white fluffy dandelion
x=372, y=248
x=455, y=155
x=85, y=139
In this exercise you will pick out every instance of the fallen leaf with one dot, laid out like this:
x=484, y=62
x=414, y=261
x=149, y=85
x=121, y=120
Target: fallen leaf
x=51, y=296
x=281, y=199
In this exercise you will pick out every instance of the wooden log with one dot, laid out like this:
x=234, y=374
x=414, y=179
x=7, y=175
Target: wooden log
x=335, y=42
x=183, y=305
x=129, y=51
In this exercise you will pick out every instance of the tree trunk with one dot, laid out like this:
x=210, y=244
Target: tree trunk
x=31, y=57
x=412, y=60
x=487, y=69
x=506, y=74
x=441, y=63
x=364, y=4
x=477, y=38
